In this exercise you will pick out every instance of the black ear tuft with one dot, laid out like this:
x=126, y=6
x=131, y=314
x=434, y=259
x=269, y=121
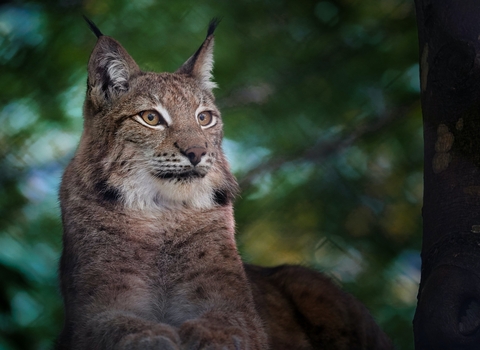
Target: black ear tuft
x=214, y=22
x=199, y=66
x=93, y=27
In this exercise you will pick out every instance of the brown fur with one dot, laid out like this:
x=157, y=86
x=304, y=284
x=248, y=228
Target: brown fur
x=302, y=309
x=149, y=257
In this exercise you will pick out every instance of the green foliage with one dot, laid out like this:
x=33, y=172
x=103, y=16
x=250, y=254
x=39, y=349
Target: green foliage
x=323, y=129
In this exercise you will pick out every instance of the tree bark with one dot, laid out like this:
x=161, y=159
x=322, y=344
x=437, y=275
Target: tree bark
x=448, y=309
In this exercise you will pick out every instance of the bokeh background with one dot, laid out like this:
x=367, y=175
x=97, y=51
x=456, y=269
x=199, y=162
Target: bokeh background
x=323, y=130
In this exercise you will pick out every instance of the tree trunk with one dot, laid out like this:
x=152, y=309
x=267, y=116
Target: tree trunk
x=448, y=309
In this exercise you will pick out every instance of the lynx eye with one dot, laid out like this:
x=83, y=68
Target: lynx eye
x=206, y=119
x=151, y=118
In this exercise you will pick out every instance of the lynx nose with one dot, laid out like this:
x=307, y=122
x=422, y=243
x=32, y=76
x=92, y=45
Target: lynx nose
x=195, y=154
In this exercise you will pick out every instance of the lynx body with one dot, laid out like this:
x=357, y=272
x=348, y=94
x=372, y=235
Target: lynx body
x=149, y=259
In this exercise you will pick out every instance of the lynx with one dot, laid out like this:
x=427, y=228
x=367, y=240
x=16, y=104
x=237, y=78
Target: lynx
x=149, y=257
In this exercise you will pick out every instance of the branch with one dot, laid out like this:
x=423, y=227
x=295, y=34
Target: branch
x=322, y=150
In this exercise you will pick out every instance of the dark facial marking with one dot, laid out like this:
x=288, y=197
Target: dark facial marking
x=108, y=193
x=220, y=197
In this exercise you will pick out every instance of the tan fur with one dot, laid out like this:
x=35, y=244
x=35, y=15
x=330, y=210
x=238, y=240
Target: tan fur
x=149, y=257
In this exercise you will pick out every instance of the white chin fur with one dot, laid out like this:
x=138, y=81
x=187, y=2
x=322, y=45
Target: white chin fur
x=145, y=192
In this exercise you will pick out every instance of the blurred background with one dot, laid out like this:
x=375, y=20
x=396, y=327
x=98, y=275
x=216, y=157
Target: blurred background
x=323, y=130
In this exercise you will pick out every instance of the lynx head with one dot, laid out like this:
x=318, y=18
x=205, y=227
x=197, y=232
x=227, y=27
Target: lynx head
x=150, y=140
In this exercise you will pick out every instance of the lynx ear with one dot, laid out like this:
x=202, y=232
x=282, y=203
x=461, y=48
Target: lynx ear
x=109, y=69
x=200, y=65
